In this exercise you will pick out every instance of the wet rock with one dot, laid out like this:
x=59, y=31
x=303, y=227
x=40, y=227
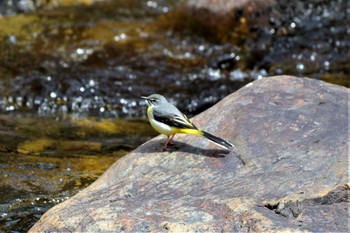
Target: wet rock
x=224, y=20
x=290, y=132
x=225, y=6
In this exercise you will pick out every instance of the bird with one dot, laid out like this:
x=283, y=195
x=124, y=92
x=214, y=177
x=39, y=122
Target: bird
x=167, y=119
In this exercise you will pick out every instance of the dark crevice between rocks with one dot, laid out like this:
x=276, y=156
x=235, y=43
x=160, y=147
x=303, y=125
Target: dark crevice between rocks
x=292, y=209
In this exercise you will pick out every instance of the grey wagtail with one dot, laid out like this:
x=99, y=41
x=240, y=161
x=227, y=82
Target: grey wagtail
x=167, y=119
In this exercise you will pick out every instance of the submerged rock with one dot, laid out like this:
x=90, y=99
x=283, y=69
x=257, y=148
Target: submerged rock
x=290, y=132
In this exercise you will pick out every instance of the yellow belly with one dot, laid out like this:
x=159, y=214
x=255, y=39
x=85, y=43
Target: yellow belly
x=168, y=130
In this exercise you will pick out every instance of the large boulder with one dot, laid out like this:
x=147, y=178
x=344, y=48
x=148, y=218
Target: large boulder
x=288, y=170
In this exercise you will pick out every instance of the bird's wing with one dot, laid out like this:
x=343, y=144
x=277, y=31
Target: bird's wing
x=171, y=116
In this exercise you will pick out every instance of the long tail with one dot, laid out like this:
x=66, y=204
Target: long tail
x=217, y=140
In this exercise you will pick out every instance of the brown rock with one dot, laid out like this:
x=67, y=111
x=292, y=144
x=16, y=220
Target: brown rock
x=227, y=6
x=220, y=20
x=291, y=132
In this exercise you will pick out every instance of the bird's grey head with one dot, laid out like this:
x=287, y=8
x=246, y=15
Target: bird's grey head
x=155, y=99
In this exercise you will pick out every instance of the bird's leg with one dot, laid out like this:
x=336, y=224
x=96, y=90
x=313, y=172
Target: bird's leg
x=171, y=138
x=168, y=141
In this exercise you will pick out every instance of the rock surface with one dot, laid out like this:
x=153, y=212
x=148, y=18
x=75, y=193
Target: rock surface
x=292, y=135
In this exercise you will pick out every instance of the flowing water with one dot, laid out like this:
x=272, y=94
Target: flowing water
x=71, y=78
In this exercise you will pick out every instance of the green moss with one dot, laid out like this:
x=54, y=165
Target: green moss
x=19, y=25
x=35, y=146
x=339, y=79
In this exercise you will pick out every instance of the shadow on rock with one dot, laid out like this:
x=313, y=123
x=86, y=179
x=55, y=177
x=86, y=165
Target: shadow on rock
x=157, y=146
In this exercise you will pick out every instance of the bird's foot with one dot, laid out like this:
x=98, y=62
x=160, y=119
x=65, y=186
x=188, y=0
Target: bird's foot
x=167, y=144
